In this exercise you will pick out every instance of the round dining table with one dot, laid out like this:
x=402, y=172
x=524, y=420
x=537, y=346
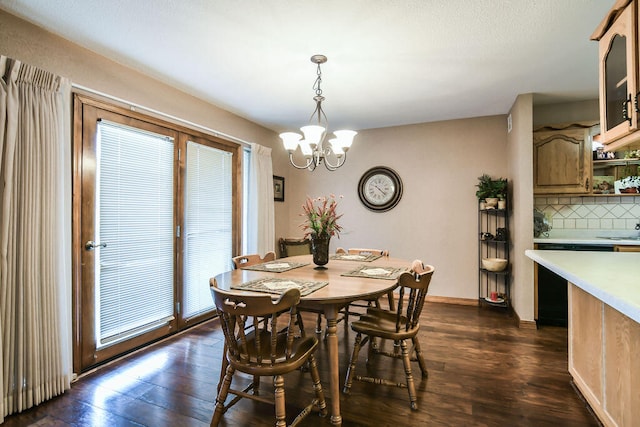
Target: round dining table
x=342, y=289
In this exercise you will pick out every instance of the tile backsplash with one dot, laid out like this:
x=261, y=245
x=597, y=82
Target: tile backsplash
x=590, y=213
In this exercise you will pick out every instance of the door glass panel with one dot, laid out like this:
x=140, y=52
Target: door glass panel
x=134, y=278
x=208, y=233
x=616, y=81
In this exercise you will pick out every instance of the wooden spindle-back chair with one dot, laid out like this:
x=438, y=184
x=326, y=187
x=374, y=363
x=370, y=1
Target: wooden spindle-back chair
x=260, y=340
x=252, y=259
x=398, y=325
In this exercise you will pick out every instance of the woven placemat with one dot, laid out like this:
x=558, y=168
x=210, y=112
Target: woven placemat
x=277, y=285
x=275, y=266
x=355, y=257
x=389, y=273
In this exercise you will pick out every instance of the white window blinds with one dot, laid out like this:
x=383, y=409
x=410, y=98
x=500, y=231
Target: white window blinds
x=135, y=272
x=208, y=234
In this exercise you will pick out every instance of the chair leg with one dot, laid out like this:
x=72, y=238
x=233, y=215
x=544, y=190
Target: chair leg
x=346, y=316
x=223, y=368
x=222, y=396
x=278, y=384
x=319, y=324
x=421, y=363
x=317, y=386
x=413, y=399
x=352, y=365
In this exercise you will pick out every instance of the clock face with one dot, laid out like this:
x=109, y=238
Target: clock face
x=380, y=189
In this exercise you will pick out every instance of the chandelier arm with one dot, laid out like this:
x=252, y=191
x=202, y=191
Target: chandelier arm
x=331, y=167
x=293, y=163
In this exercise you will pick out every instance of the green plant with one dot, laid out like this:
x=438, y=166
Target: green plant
x=321, y=216
x=491, y=188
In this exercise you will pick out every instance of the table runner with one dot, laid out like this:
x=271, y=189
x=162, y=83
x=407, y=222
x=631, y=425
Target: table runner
x=355, y=257
x=275, y=266
x=277, y=285
x=389, y=273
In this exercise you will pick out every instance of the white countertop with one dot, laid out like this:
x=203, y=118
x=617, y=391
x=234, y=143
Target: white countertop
x=612, y=277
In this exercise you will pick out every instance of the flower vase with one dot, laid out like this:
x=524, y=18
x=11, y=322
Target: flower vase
x=320, y=249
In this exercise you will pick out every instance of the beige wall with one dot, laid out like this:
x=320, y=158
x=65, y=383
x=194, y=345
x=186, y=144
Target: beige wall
x=436, y=220
x=439, y=163
x=566, y=112
x=520, y=158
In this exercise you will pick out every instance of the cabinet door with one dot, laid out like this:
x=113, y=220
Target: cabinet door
x=618, y=73
x=562, y=161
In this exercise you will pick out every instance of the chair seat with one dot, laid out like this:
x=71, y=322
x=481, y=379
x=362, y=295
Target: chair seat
x=301, y=349
x=382, y=324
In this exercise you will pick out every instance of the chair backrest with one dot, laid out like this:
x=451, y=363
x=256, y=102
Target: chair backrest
x=253, y=259
x=413, y=287
x=251, y=325
x=366, y=251
x=293, y=247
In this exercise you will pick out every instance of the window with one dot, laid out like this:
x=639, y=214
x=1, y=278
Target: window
x=164, y=200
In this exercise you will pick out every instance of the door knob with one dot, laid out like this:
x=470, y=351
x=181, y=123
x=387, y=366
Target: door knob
x=92, y=245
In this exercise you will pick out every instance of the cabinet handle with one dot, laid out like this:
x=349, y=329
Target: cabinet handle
x=625, y=109
x=586, y=184
x=635, y=102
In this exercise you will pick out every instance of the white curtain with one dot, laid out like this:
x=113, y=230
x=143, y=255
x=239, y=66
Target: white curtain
x=260, y=215
x=35, y=236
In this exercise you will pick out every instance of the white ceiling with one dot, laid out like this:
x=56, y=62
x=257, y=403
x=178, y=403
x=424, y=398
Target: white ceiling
x=391, y=62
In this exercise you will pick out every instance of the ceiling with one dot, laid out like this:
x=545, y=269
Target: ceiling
x=390, y=62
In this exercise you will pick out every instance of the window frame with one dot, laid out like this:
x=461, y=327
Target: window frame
x=80, y=302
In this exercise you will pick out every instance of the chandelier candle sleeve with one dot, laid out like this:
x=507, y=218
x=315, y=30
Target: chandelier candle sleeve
x=312, y=145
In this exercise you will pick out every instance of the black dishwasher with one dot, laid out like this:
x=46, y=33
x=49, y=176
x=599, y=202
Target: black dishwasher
x=552, y=289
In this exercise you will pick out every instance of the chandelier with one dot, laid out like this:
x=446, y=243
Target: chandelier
x=314, y=148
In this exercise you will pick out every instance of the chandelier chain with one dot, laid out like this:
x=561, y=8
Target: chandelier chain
x=316, y=84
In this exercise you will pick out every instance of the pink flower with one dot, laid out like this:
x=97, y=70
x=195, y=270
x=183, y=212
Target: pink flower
x=321, y=216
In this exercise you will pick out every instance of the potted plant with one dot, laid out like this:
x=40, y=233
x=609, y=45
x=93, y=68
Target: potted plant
x=490, y=190
x=321, y=222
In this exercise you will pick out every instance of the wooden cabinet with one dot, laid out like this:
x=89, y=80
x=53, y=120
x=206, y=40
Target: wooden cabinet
x=562, y=159
x=626, y=248
x=603, y=358
x=617, y=37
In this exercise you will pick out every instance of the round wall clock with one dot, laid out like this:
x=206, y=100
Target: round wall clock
x=380, y=189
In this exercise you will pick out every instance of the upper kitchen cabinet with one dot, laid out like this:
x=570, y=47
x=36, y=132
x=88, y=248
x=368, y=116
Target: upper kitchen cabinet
x=617, y=35
x=562, y=158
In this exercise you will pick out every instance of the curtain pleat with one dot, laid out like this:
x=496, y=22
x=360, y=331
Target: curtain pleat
x=35, y=236
x=261, y=217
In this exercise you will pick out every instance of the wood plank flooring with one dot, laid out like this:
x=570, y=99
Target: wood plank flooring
x=483, y=371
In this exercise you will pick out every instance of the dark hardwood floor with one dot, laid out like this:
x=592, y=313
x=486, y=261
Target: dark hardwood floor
x=483, y=371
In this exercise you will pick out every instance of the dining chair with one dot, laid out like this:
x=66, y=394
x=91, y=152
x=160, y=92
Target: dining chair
x=369, y=302
x=253, y=259
x=294, y=246
x=260, y=341
x=399, y=325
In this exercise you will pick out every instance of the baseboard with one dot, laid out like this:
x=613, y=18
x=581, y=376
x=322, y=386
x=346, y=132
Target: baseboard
x=525, y=324
x=452, y=300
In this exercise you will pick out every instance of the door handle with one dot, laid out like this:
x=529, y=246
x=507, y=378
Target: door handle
x=90, y=245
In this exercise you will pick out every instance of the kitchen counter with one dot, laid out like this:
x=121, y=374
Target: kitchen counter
x=611, y=277
x=591, y=237
x=604, y=328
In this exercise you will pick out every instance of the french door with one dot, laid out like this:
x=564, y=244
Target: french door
x=154, y=218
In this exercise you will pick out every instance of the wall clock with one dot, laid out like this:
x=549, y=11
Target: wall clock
x=380, y=189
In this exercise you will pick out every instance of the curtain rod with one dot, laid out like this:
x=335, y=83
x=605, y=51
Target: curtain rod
x=164, y=115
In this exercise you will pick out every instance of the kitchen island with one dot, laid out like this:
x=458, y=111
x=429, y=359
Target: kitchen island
x=604, y=328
